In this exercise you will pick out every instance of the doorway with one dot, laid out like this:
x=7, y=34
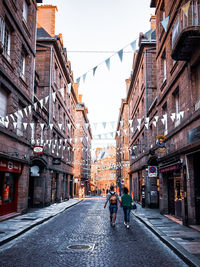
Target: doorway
x=171, y=203
x=197, y=186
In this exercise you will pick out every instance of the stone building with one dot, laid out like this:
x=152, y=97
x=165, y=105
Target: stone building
x=178, y=101
x=82, y=158
x=141, y=99
x=17, y=58
x=53, y=117
x=105, y=173
x=122, y=145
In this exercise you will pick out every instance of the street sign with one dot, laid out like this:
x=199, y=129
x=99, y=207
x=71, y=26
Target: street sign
x=56, y=161
x=122, y=181
x=38, y=150
x=152, y=171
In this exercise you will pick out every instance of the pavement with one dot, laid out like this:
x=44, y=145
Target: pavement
x=16, y=226
x=184, y=241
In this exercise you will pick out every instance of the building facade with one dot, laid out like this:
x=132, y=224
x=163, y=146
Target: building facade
x=82, y=159
x=141, y=99
x=178, y=103
x=122, y=146
x=17, y=61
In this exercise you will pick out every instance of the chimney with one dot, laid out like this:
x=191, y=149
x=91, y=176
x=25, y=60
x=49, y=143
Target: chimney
x=128, y=81
x=75, y=86
x=153, y=22
x=80, y=98
x=46, y=17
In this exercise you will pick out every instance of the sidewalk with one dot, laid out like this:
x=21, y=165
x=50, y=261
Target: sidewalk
x=13, y=227
x=184, y=241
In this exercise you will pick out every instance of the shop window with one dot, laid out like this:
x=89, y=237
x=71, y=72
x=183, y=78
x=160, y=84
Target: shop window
x=8, y=189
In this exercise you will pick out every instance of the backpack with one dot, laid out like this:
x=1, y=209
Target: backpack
x=113, y=199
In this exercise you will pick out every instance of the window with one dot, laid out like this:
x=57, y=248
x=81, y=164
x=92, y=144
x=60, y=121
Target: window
x=177, y=106
x=7, y=37
x=164, y=66
x=23, y=65
x=3, y=102
x=164, y=109
x=25, y=11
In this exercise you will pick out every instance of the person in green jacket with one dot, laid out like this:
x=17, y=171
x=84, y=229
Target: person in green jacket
x=126, y=201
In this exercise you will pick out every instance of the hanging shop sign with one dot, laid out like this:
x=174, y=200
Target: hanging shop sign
x=152, y=171
x=122, y=181
x=38, y=150
x=10, y=166
x=56, y=161
x=160, y=142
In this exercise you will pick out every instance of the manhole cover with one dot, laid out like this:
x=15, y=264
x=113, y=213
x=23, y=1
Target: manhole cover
x=28, y=219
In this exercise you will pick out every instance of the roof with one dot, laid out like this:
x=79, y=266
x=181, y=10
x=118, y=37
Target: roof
x=41, y=33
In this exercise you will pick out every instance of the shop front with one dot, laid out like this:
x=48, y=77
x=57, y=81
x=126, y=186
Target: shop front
x=172, y=190
x=9, y=175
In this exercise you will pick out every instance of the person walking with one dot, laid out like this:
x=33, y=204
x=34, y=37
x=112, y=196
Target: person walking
x=126, y=201
x=113, y=199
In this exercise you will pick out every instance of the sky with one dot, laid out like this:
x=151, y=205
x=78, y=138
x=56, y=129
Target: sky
x=101, y=25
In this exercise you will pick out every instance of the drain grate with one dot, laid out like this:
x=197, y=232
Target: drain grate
x=28, y=219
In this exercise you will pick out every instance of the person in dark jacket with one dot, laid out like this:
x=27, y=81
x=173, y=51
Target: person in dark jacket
x=126, y=202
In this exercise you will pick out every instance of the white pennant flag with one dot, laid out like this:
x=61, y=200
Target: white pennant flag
x=178, y=116
x=6, y=123
x=62, y=92
x=81, y=139
x=112, y=124
x=60, y=141
x=60, y=125
x=51, y=126
x=78, y=125
x=122, y=123
x=138, y=127
x=182, y=114
x=146, y=125
x=55, y=141
x=12, y=117
x=165, y=117
x=14, y=125
x=173, y=116
x=25, y=125
x=154, y=123
x=147, y=120
x=70, y=140
x=46, y=99
x=132, y=129
x=41, y=103
x=35, y=106
x=163, y=121
x=20, y=113
x=104, y=124
x=156, y=118
x=69, y=88
x=16, y=114
x=139, y=121
x=32, y=125
x=125, y=130
x=118, y=132
x=130, y=122
x=25, y=111
x=29, y=109
x=86, y=125
x=42, y=126
x=54, y=96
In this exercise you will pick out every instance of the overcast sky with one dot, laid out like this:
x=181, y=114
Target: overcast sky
x=101, y=25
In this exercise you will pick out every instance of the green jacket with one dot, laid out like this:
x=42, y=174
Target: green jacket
x=126, y=200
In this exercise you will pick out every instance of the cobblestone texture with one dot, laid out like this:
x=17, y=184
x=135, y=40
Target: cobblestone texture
x=88, y=223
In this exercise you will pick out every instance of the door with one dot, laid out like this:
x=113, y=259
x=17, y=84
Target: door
x=8, y=193
x=171, y=203
x=197, y=186
x=31, y=192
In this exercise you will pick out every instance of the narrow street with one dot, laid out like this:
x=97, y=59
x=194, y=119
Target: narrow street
x=88, y=224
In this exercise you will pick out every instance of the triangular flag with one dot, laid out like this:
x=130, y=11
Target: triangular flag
x=163, y=121
x=32, y=125
x=54, y=96
x=146, y=125
x=69, y=126
x=60, y=125
x=46, y=99
x=25, y=125
x=42, y=126
x=51, y=126
x=94, y=70
x=20, y=113
x=78, y=125
x=118, y=132
x=78, y=79
x=69, y=88
x=16, y=114
x=154, y=123
x=182, y=114
x=133, y=45
x=138, y=127
x=130, y=122
x=104, y=124
x=186, y=7
x=120, y=54
x=25, y=111
x=86, y=125
x=139, y=121
x=173, y=116
x=121, y=123
x=112, y=124
x=29, y=109
x=164, y=23
x=125, y=130
x=6, y=123
x=12, y=117
x=35, y=105
x=165, y=117
x=41, y=103
x=156, y=118
x=131, y=129
x=108, y=63
x=84, y=77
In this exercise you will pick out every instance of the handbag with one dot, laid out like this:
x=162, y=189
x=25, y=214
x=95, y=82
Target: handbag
x=133, y=206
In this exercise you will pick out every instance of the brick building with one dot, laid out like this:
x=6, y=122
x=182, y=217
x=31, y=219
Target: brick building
x=105, y=173
x=82, y=158
x=53, y=117
x=141, y=99
x=122, y=145
x=17, y=57
x=178, y=98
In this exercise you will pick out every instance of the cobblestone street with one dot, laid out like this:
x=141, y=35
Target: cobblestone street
x=88, y=224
